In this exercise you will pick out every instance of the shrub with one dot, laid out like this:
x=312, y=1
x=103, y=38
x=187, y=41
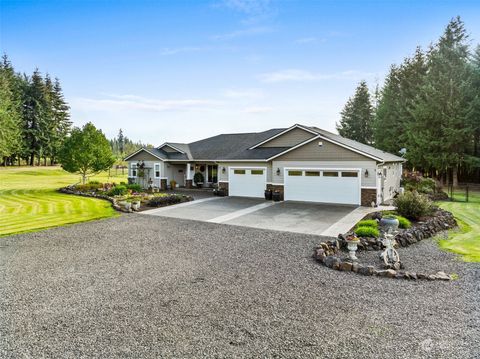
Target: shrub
x=160, y=201
x=198, y=177
x=134, y=187
x=413, y=205
x=427, y=185
x=364, y=231
x=368, y=223
x=119, y=190
x=403, y=222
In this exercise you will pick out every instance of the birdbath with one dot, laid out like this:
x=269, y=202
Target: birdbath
x=352, y=245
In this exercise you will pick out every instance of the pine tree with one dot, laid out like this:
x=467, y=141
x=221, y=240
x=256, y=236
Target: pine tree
x=357, y=116
x=121, y=142
x=440, y=134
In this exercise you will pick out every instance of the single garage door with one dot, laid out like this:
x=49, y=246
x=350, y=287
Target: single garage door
x=247, y=182
x=323, y=185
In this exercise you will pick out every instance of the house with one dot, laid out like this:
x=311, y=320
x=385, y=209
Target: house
x=303, y=163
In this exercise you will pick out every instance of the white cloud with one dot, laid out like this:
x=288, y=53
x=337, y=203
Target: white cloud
x=243, y=93
x=258, y=109
x=176, y=50
x=244, y=32
x=119, y=103
x=306, y=76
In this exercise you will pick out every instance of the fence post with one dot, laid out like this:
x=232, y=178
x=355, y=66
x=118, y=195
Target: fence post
x=467, y=193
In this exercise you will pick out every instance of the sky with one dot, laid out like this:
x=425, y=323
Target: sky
x=184, y=70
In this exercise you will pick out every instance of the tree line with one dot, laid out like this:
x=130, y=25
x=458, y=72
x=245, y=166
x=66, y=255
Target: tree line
x=122, y=146
x=34, y=117
x=428, y=109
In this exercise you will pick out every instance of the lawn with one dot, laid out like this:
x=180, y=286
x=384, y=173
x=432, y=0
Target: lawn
x=466, y=240
x=29, y=200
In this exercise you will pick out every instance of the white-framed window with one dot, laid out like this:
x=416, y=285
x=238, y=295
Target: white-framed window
x=156, y=170
x=133, y=167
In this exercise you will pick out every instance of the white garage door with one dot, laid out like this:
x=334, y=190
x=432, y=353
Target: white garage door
x=323, y=185
x=247, y=182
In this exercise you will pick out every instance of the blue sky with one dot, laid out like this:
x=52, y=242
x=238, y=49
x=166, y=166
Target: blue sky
x=184, y=70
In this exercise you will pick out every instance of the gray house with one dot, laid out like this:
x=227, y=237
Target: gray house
x=303, y=163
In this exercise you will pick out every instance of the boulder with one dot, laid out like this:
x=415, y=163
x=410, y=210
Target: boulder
x=346, y=266
x=389, y=273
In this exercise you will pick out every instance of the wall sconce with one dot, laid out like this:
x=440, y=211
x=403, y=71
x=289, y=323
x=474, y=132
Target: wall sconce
x=366, y=173
x=278, y=171
x=223, y=170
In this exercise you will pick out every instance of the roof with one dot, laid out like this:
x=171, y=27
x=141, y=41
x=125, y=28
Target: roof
x=245, y=146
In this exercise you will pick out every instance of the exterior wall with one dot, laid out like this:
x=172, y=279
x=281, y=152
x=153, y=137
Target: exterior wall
x=149, y=173
x=327, y=152
x=175, y=172
x=291, y=138
x=390, y=181
x=369, y=165
x=143, y=156
x=168, y=149
x=224, y=176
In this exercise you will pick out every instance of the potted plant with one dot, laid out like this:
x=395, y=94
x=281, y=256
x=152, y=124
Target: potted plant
x=277, y=195
x=198, y=179
x=389, y=223
x=268, y=194
x=173, y=184
x=352, y=245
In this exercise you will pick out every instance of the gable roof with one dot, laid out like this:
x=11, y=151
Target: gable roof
x=246, y=146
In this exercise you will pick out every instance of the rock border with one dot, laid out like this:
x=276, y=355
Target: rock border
x=326, y=253
x=113, y=201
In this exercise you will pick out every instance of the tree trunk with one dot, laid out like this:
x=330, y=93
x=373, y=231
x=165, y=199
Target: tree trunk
x=84, y=178
x=455, y=177
x=32, y=159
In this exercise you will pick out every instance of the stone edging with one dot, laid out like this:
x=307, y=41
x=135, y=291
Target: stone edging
x=326, y=253
x=441, y=221
x=113, y=201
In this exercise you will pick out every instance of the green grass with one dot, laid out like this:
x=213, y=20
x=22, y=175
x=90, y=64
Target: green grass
x=29, y=200
x=466, y=240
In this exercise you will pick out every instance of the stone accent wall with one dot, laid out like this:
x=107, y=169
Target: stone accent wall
x=163, y=184
x=369, y=195
x=223, y=186
x=276, y=187
x=189, y=183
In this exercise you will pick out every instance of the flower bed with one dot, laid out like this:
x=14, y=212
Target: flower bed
x=125, y=198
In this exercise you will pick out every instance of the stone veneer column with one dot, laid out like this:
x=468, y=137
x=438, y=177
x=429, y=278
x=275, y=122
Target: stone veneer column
x=188, y=183
x=369, y=195
x=275, y=188
x=223, y=186
x=163, y=184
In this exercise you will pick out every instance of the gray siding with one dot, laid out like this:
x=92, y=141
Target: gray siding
x=327, y=152
x=369, y=165
x=289, y=139
x=168, y=149
x=224, y=176
x=149, y=173
x=143, y=156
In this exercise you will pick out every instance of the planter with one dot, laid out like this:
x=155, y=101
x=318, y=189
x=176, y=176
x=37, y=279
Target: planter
x=136, y=205
x=389, y=224
x=221, y=192
x=199, y=184
x=276, y=196
x=352, y=249
x=268, y=194
x=128, y=206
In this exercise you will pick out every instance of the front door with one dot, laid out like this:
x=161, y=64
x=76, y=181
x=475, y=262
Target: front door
x=212, y=173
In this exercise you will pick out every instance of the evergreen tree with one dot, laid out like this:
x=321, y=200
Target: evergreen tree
x=439, y=136
x=473, y=161
x=357, y=116
x=121, y=142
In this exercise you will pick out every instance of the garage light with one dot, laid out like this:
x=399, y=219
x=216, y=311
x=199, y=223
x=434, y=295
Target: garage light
x=223, y=170
x=320, y=143
x=278, y=171
x=366, y=173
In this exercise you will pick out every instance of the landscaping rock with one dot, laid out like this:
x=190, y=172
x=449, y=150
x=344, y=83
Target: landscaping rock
x=390, y=273
x=346, y=266
x=442, y=276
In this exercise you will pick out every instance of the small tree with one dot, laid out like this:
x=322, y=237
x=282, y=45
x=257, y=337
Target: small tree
x=86, y=152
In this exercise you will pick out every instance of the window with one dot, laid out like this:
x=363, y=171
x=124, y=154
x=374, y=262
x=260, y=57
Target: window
x=330, y=174
x=134, y=170
x=312, y=173
x=256, y=172
x=349, y=174
x=157, y=170
x=239, y=172
x=294, y=173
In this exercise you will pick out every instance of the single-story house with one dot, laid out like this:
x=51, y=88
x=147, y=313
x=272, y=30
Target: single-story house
x=303, y=163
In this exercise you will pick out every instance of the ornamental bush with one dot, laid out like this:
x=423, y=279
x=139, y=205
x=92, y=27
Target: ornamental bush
x=119, y=190
x=368, y=223
x=365, y=231
x=134, y=187
x=413, y=205
x=403, y=222
x=160, y=201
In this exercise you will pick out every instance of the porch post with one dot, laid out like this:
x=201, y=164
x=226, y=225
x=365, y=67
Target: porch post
x=188, y=181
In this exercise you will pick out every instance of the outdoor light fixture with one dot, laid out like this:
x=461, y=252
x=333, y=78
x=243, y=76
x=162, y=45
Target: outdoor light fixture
x=278, y=171
x=366, y=173
x=223, y=170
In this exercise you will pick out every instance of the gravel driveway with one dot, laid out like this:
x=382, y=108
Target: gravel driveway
x=140, y=286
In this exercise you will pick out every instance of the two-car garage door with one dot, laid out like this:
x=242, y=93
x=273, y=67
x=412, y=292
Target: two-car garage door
x=323, y=185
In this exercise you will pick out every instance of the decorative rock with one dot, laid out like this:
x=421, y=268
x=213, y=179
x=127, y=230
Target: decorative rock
x=390, y=273
x=346, y=266
x=442, y=276
x=356, y=267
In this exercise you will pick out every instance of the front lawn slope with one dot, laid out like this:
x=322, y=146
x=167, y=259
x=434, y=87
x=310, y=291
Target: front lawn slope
x=29, y=200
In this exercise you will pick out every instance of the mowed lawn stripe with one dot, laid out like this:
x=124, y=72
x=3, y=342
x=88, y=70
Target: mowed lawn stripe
x=29, y=200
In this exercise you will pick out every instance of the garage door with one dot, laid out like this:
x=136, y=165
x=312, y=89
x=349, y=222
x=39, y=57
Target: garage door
x=247, y=182
x=323, y=185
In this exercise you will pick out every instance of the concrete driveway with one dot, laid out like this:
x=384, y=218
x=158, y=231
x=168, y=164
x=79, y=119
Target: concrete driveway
x=297, y=217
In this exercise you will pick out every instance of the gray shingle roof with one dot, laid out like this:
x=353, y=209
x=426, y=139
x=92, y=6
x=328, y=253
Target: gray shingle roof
x=235, y=146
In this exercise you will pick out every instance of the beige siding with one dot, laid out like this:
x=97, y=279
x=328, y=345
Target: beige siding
x=327, y=152
x=149, y=173
x=143, y=156
x=289, y=139
x=390, y=181
x=224, y=176
x=369, y=165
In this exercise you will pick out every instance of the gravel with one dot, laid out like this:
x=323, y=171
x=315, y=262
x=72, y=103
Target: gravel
x=147, y=287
